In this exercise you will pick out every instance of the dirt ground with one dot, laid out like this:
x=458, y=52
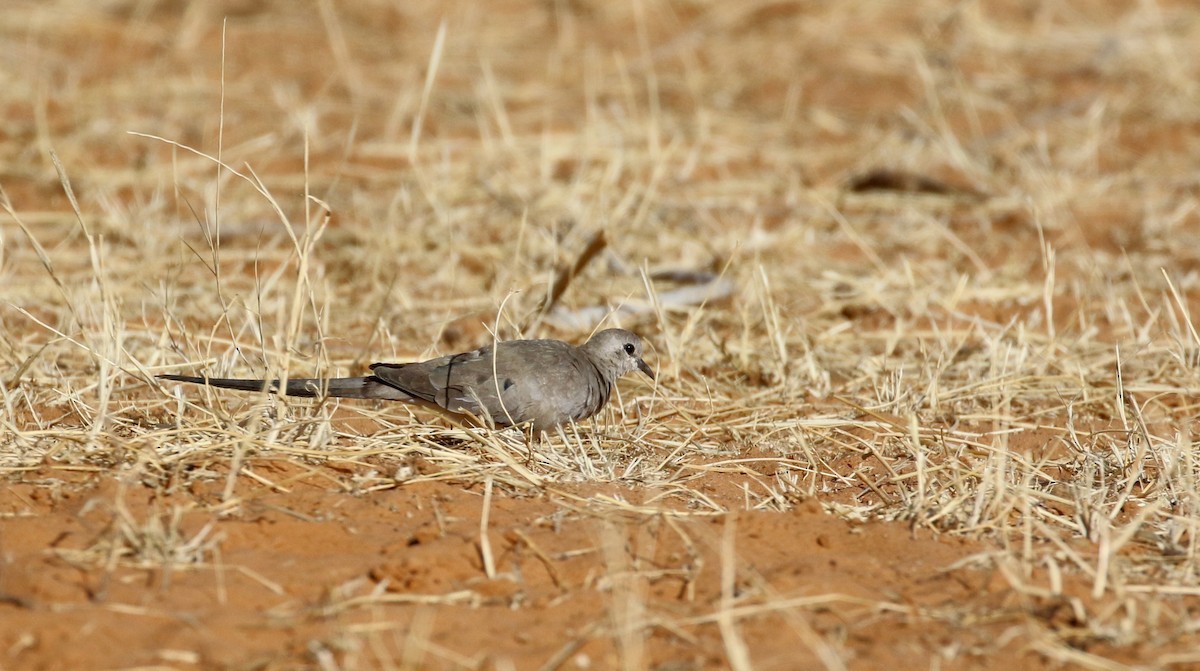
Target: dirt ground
x=916, y=278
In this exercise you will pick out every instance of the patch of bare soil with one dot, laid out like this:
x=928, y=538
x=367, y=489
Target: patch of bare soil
x=104, y=574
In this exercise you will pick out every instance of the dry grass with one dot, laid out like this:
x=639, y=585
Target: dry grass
x=1000, y=348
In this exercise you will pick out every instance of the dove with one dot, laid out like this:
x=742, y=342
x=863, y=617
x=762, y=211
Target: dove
x=541, y=383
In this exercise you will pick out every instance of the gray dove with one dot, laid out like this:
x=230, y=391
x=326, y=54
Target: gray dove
x=543, y=383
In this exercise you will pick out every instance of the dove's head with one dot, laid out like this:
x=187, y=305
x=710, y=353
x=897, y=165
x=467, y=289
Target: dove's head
x=619, y=351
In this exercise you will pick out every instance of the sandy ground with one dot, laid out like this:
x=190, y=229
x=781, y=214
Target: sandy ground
x=929, y=403
x=398, y=576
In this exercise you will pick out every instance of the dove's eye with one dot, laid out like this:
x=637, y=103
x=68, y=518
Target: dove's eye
x=629, y=348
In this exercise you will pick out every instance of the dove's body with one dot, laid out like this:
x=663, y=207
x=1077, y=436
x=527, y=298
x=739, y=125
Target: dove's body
x=544, y=383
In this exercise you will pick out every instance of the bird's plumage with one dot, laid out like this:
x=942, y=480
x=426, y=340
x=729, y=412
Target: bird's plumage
x=543, y=383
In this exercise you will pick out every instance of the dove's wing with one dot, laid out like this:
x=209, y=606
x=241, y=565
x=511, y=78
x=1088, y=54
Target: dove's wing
x=543, y=382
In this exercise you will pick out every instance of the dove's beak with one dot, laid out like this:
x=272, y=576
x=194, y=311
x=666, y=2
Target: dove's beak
x=642, y=366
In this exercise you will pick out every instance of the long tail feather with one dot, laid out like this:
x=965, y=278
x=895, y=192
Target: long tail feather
x=341, y=387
